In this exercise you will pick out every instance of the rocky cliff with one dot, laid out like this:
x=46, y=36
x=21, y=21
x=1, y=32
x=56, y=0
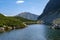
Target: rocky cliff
x=51, y=11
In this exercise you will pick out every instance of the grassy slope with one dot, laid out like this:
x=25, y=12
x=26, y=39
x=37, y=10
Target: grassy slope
x=12, y=21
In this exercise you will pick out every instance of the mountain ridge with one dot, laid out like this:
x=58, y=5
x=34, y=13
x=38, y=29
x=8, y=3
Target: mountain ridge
x=51, y=11
x=28, y=15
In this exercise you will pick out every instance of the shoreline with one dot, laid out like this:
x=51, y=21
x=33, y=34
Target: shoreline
x=9, y=28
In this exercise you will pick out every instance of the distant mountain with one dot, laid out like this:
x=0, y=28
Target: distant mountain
x=28, y=15
x=51, y=11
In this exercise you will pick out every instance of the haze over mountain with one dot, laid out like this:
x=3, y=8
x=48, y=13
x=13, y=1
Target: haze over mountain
x=51, y=11
x=28, y=15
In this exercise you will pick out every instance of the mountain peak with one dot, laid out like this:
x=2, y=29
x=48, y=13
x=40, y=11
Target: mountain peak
x=28, y=15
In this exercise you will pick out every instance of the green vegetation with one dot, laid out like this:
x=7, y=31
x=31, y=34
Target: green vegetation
x=10, y=21
x=13, y=22
x=24, y=20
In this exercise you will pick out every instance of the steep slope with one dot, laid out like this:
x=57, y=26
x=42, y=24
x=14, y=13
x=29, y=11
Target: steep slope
x=28, y=15
x=51, y=11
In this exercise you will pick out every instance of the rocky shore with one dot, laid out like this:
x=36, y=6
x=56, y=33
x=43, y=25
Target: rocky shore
x=9, y=28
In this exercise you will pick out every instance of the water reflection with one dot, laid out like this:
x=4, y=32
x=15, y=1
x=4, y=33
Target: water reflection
x=32, y=32
x=52, y=34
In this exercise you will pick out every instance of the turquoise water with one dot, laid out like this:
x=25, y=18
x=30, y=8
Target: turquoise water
x=32, y=32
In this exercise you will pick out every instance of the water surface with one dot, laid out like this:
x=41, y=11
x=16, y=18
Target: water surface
x=32, y=32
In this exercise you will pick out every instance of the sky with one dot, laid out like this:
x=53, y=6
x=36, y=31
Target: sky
x=14, y=7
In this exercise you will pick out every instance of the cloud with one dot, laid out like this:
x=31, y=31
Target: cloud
x=19, y=1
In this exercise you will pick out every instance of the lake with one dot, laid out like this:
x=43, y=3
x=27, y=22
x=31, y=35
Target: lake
x=32, y=32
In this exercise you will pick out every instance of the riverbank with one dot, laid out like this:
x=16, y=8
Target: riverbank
x=9, y=28
x=12, y=22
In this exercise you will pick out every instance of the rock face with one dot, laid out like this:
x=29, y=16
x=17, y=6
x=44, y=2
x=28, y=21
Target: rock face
x=51, y=11
x=28, y=15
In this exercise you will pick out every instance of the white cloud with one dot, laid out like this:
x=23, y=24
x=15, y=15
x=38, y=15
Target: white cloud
x=19, y=1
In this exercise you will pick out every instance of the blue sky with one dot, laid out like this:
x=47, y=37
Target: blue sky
x=14, y=7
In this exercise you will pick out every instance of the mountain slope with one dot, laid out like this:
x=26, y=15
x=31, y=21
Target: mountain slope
x=28, y=15
x=51, y=11
x=10, y=21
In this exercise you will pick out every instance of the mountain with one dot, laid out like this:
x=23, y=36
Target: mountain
x=28, y=15
x=51, y=11
x=13, y=21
